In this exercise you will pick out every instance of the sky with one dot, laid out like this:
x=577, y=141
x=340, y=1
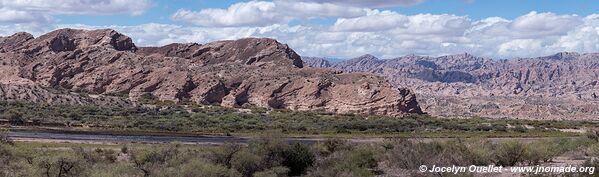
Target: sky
x=332, y=28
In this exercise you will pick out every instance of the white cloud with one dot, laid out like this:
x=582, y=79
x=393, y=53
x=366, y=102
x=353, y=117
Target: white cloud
x=79, y=7
x=421, y=34
x=36, y=16
x=382, y=33
x=373, y=21
x=253, y=13
x=430, y=24
x=531, y=25
x=264, y=13
x=298, y=9
x=545, y=23
x=372, y=3
x=519, y=47
x=13, y=16
x=33, y=28
x=425, y=24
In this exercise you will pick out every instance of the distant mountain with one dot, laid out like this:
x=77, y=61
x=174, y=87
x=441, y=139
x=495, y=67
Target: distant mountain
x=257, y=72
x=560, y=86
x=317, y=62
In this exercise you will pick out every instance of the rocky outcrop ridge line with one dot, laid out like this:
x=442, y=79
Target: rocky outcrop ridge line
x=560, y=86
x=247, y=72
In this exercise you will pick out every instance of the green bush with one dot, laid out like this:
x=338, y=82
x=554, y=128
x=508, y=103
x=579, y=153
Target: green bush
x=4, y=138
x=349, y=163
x=510, y=153
x=298, y=158
x=224, y=155
x=273, y=172
x=520, y=129
x=476, y=151
x=196, y=167
x=593, y=150
x=14, y=117
x=538, y=152
x=331, y=146
x=66, y=165
x=246, y=162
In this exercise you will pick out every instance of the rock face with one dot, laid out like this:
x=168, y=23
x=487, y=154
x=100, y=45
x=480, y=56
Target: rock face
x=561, y=86
x=246, y=72
x=316, y=62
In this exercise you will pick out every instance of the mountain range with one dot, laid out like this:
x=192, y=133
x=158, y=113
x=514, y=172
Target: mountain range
x=105, y=68
x=560, y=86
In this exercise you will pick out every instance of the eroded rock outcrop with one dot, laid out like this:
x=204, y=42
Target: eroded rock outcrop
x=560, y=86
x=246, y=72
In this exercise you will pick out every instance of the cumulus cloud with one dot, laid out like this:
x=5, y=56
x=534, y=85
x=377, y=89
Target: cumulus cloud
x=253, y=13
x=545, y=23
x=531, y=25
x=317, y=9
x=373, y=21
x=375, y=3
x=13, y=16
x=264, y=13
x=357, y=30
x=37, y=15
x=431, y=24
x=79, y=7
x=421, y=34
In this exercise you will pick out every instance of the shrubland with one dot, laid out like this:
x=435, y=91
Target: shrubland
x=271, y=156
x=191, y=118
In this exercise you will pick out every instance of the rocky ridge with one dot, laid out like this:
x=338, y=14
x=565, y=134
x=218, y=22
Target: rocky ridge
x=247, y=72
x=560, y=86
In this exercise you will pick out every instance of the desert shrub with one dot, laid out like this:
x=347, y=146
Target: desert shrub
x=273, y=172
x=363, y=157
x=4, y=138
x=593, y=163
x=563, y=145
x=98, y=155
x=477, y=151
x=270, y=148
x=264, y=154
x=297, y=158
x=196, y=167
x=483, y=127
x=124, y=149
x=499, y=127
x=13, y=116
x=593, y=134
x=331, y=146
x=65, y=165
x=593, y=150
x=74, y=115
x=224, y=155
x=510, y=153
x=117, y=169
x=520, y=129
x=246, y=162
x=537, y=152
x=348, y=163
x=153, y=159
x=6, y=154
x=409, y=155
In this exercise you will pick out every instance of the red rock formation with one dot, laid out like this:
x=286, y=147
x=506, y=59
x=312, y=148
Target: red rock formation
x=252, y=71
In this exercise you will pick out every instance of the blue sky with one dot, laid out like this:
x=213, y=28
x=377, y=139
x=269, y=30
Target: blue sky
x=161, y=10
x=332, y=28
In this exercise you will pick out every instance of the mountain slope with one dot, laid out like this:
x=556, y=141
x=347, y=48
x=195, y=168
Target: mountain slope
x=560, y=86
x=246, y=72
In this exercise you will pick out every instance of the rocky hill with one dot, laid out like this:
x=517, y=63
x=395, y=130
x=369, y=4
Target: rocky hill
x=107, y=65
x=560, y=86
x=317, y=62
